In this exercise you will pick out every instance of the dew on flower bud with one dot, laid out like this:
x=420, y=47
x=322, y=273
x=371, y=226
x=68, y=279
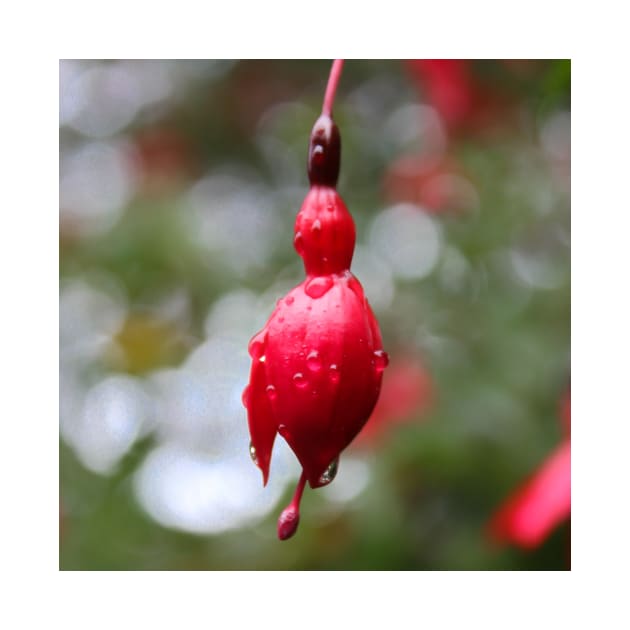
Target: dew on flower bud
x=330, y=207
x=289, y=300
x=316, y=228
x=318, y=155
x=318, y=286
x=381, y=360
x=299, y=380
x=313, y=361
x=298, y=243
x=334, y=373
x=253, y=454
x=272, y=394
x=256, y=348
x=245, y=397
x=330, y=473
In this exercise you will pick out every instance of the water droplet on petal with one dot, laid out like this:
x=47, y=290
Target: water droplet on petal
x=381, y=360
x=334, y=373
x=245, y=397
x=316, y=228
x=253, y=454
x=313, y=361
x=299, y=380
x=272, y=394
x=316, y=287
x=256, y=347
x=289, y=300
x=298, y=243
x=330, y=207
x=330, y=473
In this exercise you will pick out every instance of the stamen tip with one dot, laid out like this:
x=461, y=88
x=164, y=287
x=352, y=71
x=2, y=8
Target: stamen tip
x=288, y=522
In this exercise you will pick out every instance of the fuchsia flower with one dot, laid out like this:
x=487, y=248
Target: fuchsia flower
x=317, y=364
x=541, y=503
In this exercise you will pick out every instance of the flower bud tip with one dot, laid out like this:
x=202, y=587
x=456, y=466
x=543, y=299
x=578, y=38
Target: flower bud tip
x=288, y=522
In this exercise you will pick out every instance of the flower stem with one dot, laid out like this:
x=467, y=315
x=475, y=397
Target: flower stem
x=331, y=88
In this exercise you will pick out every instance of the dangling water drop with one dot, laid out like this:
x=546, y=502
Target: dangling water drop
x=299, y=380
x=313, y=361
x=381, y=360
x=272, y=394
x=253, y=454
x=330, y=473
x=289, y=300
x=318, y=286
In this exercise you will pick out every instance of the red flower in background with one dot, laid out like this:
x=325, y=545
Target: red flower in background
x=437, y=184
x=163, y=158
x=317, y=365
x=449, y=87
x=406, y=392
x=453, y=89
x=543, y=502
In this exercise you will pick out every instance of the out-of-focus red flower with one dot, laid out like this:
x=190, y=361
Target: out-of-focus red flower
x=452, y=88
x=407, y=392
x=317, y=365
x=163, y=157
x=449, y=87
x=438, y=184
x=530, y=514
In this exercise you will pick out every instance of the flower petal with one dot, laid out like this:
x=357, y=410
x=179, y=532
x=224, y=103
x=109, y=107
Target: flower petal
x=320, y=359
x=262, y=424
x=529, y=515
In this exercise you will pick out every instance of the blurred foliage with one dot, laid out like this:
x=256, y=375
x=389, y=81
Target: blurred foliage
x=496, y=348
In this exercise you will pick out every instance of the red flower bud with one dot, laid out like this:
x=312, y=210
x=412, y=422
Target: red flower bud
x=317, y=364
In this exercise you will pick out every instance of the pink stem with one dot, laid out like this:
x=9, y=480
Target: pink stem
x=331, y=88
x=290, y=517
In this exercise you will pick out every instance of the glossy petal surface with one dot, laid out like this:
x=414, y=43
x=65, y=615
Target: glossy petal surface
x=320, y=359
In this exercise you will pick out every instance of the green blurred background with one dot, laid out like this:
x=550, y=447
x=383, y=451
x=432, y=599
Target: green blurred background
x=179, y=185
